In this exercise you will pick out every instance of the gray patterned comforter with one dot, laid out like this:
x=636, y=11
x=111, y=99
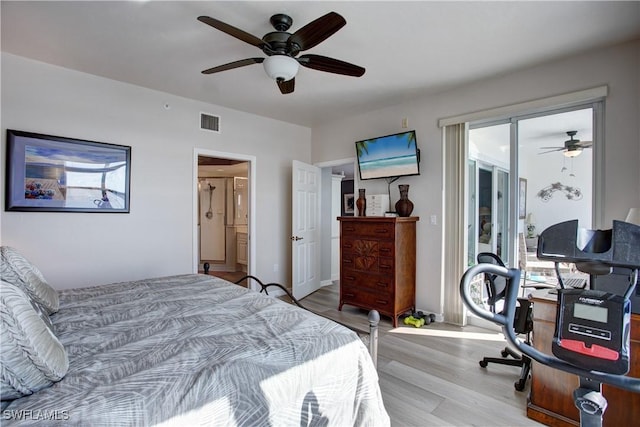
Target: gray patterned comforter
x=197, y=350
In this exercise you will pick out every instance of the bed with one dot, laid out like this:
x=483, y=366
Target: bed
x=182, y=350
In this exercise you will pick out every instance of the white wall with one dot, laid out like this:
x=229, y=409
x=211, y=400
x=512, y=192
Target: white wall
x=541, y=173
x=618, y=67
x=155, y=239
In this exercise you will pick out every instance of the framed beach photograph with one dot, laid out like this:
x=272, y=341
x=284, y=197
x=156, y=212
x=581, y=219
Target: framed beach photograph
x=522, y=199
x=56, y=174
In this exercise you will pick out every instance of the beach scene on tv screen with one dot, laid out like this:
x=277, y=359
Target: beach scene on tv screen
x=393, y=155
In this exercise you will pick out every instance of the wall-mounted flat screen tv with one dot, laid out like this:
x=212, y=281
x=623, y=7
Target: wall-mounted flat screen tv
x=388, y=156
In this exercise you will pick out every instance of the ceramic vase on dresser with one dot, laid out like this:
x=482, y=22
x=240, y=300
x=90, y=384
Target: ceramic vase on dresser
x=361, y=203
x=404, y=206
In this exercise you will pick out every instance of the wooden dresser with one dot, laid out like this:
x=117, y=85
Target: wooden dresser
x=378, y=264
x=551, y=396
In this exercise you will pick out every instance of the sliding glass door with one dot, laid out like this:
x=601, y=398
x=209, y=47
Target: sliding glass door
x=527, y=173
x=527, y=193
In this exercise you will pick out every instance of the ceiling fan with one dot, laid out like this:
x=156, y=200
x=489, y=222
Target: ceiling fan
x=572, y=147
x=282, y=48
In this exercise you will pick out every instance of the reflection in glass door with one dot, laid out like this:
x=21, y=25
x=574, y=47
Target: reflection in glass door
x=489, y=191
x=472, y=228
x=557, y=169
x=501, y=204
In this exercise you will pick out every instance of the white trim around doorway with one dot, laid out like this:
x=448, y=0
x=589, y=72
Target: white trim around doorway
x=252, y=204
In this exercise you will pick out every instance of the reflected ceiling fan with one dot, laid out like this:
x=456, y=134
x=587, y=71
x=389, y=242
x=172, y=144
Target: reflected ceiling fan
x=281, y=48
x=572, y=147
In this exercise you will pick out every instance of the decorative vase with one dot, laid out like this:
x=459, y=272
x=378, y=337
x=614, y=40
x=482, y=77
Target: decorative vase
x=404, y=206
x=361, y=203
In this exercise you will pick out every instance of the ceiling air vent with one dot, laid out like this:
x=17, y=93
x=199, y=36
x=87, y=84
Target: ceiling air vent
x=209, y=122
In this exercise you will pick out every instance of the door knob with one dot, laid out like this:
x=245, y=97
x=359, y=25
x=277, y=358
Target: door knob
x=296, y=238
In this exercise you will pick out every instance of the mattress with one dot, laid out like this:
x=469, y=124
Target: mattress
x=195, y=349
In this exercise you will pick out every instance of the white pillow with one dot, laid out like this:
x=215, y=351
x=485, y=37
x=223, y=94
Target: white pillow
x=17, y=270
x=31, y=357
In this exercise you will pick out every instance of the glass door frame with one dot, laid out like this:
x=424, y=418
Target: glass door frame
x=514, y=171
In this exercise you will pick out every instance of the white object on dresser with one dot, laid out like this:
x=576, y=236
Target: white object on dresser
x=377, y=204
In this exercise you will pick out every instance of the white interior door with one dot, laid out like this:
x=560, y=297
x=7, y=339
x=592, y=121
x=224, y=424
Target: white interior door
x=305, y=229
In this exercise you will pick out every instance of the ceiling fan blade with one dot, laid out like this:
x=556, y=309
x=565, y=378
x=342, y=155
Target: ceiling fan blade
x=330, y=65
x=317, y=31
x=556, y=148
x=553, y=151
x=287, y=86
x=232, y=65
x=232, y=31
x=585, y=144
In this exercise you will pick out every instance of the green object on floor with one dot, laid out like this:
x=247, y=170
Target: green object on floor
x=417, y=322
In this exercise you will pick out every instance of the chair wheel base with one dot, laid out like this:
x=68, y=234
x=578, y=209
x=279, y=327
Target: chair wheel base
x=519, y=385
x=483, y=364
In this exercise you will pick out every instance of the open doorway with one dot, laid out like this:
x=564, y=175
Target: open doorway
x=337, y=200
x=223, y=215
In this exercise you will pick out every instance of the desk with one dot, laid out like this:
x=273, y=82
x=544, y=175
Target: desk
x=547, y=268
x=551, y=396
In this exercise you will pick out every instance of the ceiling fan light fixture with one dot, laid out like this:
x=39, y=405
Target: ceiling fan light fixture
x=572, y=152
x=281, y=67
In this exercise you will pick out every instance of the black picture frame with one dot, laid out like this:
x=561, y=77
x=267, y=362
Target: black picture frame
x=46, y=173
x=349, y=203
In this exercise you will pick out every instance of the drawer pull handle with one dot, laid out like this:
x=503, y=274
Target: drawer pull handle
x=385, y=250
x=348, y=295
x=381, y=301
x=349, y=229
x=387, y=267
x=349, y=277
x=348, y=245
x=381, y=231
x=347, y=261
x=382, y=284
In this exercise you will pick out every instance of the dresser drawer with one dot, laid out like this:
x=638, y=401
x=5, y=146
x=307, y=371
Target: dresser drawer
x=386, y=249
x=386, y=266
x=374, y=283
x=379, y=230
x=368, y=264
x=367, y=246
x=348, y=244
x=363, y=298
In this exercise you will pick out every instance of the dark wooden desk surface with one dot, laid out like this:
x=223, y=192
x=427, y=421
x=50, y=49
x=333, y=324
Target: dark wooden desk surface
x=551, y=396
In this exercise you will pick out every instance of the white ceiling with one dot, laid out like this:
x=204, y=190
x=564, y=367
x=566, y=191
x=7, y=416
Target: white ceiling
x=407, y=48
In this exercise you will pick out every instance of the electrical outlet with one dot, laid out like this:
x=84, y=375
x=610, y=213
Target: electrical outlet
x=434, y=220
x=276, y=268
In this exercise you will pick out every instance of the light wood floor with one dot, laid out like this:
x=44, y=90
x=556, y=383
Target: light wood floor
x=431, y=377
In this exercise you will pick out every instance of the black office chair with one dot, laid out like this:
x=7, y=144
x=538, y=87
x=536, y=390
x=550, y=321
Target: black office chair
x=496, y=290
